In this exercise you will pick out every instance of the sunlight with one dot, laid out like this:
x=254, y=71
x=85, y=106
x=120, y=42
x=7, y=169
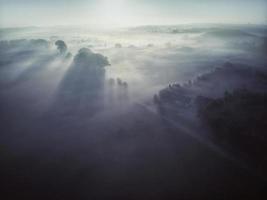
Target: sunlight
x=113, y=13
x=133, y=99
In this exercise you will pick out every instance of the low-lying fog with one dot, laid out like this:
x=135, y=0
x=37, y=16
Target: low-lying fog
x=82, y=100
x=147, y=58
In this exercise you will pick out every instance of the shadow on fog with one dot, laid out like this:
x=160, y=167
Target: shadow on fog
x=137, y=157
x=34, y=69
x=29, y=74
x=24, y=60
x=80, y=93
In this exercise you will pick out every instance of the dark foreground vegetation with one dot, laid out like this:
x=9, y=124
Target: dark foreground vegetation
x=238, y=119
x=227, y=106
x=71, y=131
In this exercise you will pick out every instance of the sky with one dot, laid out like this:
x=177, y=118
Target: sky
x=130, y=12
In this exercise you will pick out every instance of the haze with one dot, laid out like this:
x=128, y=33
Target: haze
x=108, y=13
x=133, y=99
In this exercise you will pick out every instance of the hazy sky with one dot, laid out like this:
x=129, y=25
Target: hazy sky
x=129, y=12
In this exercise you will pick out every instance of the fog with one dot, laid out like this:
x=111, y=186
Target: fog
x=112, y=113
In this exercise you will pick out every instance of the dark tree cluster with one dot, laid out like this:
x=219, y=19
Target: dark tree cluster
x=61, y=46
x=238, y=119
x=118, y=45
x=175, y=94
x=174, y=101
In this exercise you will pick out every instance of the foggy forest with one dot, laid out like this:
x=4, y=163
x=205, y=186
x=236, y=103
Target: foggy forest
x=133, y=100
